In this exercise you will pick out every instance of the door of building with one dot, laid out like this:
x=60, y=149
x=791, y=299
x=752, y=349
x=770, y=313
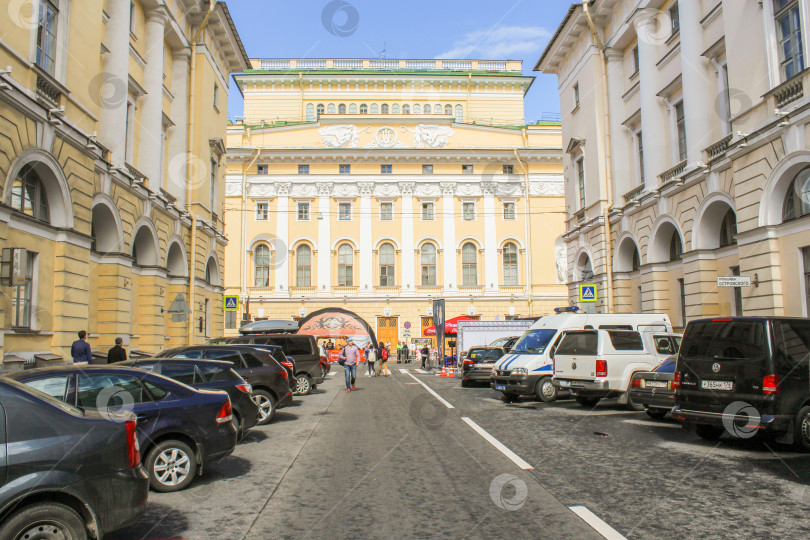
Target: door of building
x=388, y=331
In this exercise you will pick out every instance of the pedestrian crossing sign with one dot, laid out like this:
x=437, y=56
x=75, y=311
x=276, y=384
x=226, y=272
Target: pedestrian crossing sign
x=587, y=293
x=231, y=303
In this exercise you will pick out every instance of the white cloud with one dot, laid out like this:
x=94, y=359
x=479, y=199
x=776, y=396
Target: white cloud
x=504, y=42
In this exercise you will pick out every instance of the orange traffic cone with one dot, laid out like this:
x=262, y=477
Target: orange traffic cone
x=444, y=371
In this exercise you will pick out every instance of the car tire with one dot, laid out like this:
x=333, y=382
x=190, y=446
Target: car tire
x=57, y=519
x=801, y=437
x=587, y=401
x=171, y=465
x=545, y=391
x=303, y=385
x=656, y=414
x=267, y=406
x=709, y=433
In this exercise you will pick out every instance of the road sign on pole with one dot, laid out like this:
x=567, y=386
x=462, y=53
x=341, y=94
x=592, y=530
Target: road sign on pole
x=231, y=303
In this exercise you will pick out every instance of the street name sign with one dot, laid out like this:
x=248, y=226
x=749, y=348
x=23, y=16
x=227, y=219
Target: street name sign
x=733, y=281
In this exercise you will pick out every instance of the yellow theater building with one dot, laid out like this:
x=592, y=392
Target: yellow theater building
x=112, y=127
x=378, y=185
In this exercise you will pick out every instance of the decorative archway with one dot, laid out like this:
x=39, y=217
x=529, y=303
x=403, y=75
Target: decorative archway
x=145, y=244
x=709, y=220
x=212, y=271
x=176, y=260
x=779, y=181
x=337, y=323
x=627, y=257
x=54, y=182
x=105, y=226
x=658, y=250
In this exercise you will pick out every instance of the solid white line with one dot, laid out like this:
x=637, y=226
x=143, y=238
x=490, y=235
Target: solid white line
x=516, y=459
x=429, y=389
x=598, y=525
x=403, y=371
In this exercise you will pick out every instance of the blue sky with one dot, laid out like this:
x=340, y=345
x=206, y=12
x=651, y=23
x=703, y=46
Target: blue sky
x=476, y=29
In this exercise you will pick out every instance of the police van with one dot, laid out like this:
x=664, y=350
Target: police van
x=527, y=369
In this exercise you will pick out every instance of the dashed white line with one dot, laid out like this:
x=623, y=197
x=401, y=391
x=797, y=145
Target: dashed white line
x=598, y=525
x=516, y=459
x=405, y=371
x=434, y=394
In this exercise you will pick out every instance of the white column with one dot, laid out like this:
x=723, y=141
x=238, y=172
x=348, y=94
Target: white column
x=114, y=88
x=324, y=239
x=624, y=178
x=653, y=117
x=490, y=238
x=152, y=102
x=282, y=240
x=449, y=240
x=696, y=84
x=366, y=259
x=178, y=138
x=408, y=242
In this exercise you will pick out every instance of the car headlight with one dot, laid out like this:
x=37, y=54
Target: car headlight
x=519, y=371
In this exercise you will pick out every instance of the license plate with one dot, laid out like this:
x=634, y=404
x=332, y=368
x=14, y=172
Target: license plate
x=656, y=384
x=565, y=383
x=500, y=387
x=716, y=385
x=482, y=366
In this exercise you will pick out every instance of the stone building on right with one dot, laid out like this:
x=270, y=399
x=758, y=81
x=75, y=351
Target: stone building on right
x=685, y=130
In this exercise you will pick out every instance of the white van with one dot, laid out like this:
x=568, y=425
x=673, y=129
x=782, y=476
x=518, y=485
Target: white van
x=527, y=369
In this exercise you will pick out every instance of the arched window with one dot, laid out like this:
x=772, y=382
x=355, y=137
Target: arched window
x=320, y=109
x=212, y=272
x=510, y=264
x=395, y=108
x=303, y=266
x=310, y=112
x=261, y=264
x=448, y=109
x=417, y=108
x=330, y=109
x=374, y=109
x=428, y=263
x=384, y=108
x=675, y=247
x=406, y=109
x=345, y=266
x=28, y=194
x=469, y=264
x=797, y=200
x=342, y=108
x=636, y=259
x=387, y=265
x=363, y=108
x=427, y=109
x=459, y=113
x=728, y=229
x=353, y=108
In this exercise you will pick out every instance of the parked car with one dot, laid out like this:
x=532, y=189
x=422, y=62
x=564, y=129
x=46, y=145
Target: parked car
x=738, y=374
x=209, y=375
x=179, y=428
x=278, y=355
x=269, y=379
x=653, y=389
x=506, y=343
x=596, y=364
x=59, y=466
x=477, y=365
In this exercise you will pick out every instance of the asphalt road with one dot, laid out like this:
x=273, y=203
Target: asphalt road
x=391, y=460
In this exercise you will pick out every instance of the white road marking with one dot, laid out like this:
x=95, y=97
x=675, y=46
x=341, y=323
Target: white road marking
x=651, y=423
x=422, y=371
x=720, y=451
x=516, y=459
x=405, y=371
x=598, y=525
x=332, y=373
x=429, y=389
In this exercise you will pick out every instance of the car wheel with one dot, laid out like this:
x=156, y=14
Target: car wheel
x=709, y=433
x=587, y=401
x=303, y=385
x=171, y=466
x=267, y=406
x=657, y=414
x=802, y=436
x=545, y=391
x=45, y=520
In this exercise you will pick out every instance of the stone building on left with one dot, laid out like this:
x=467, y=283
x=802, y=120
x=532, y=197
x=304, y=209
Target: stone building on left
x=112, y=120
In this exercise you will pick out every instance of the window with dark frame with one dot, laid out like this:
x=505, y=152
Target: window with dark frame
x=509, y=213
x=675, y=19
x=28, y=194
x=46, y=36
x=303, y=266
x=581, y=181
x=385, y=169
x=680, y=121
x=789, y=37
x=22, y=296
x=469, y=264
x=428, y=265
x=261, y=211
x=261, y=264
x=386, y=211
x=387, y=265
x=303, y=211
x=510, y=264
x=303, y=169
x=427, y=169
x=467, y=169
x=428, y=213
x=345, y=169
x=345, y=266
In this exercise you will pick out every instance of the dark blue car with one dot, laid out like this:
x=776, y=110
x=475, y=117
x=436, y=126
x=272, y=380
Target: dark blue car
x=654, y=389
x=179, y=428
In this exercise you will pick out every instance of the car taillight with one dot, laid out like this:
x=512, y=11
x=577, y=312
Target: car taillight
x=246, y=388
x=133, y=448
x=770, y=385
x=601, y=368
x=635, y=383
x=288, y=364
x=225, y=414
x=284, y=374
x=676, y=381
x=468, y=362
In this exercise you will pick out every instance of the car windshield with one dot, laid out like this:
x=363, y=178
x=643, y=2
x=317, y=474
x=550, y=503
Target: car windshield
x=534, y=341
x=500, y=342
x=667, y=366
x=484, y=355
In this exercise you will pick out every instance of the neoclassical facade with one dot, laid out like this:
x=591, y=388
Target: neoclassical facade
x=379, y=204
x=112, y=170
x=686, y=158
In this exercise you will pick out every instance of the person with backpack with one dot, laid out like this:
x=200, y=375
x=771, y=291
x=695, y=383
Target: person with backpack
x=371, y=357
x=383, y=360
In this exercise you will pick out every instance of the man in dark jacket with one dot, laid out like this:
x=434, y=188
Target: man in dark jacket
x=117, y=353
x=80, y=350
x=424, y=353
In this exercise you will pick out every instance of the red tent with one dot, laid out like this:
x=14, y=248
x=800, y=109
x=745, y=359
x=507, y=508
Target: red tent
x=450, y=326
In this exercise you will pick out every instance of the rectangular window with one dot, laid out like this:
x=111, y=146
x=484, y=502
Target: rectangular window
x=576, y=96
x=303, y=211
x=21, y=301
x=509, y=211
x=581, y=182
x=427, y=169
x=345, y=211
x=303, y=169
x=230, y=320
x=216, y=95
x=46, y=36
x=428, y=213
x=132, y=14
x=468, y=211
x=682, y=293
x=261, y=169
x=726, y=99
x=386, y=211
x=640, y=140
x=213, y=182
x=680, y=119
x=675, y=17
x=738, y=308
x=385, y=169
x=261, y=211
x=789, y=37
x=467, y=169
x=128, y=134
x=806, y=260
x=508, y=169
x=345, y=169
x=635, y=60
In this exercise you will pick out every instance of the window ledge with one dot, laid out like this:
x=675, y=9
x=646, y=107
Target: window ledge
x=25, y=332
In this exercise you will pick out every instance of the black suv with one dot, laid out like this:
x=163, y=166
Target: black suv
x=269, y=379
x=66, y=465
x=745, y=374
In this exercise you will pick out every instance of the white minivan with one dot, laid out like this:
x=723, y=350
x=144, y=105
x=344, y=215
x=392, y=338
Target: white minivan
x=527, y=369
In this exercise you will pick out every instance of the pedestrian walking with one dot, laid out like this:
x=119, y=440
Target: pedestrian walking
x=400, y=357
x=371, y=357
x=350, y=354
x=425, y=353
x=117, y=353
x=80, y=350
x=383, y=367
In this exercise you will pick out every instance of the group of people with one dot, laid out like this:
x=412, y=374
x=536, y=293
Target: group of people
x=350, y=357
x=82, y=354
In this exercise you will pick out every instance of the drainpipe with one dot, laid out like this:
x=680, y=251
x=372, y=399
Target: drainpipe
x=244, y=224
x=189, y=138
x=608, y=164
x=527, y=226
